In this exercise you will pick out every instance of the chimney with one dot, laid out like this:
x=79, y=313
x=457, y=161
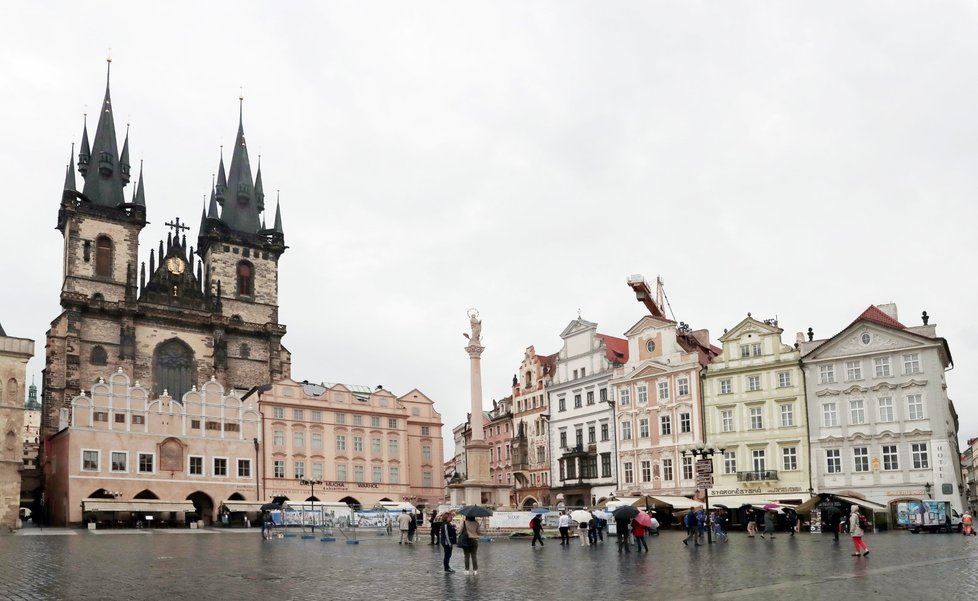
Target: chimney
x=799, y=338
x=703, y=337
x=890, y=309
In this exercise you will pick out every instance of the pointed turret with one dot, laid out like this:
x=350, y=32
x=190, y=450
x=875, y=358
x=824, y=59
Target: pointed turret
x=124, y=159
x=86, y=150
x=259, y=190
x=203, y=219
x=70, y=172
x=240, y=207
x=140, y=196
x=212, y=212
x=104, y=187
x=222, y=181
x=278, y=217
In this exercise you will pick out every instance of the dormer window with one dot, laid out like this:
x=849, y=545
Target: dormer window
x=246, y=279
x=103, y=256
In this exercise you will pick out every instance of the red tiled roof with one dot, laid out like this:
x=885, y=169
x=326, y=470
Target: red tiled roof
x=547, y=362
x=616, y=349
x=874, y=314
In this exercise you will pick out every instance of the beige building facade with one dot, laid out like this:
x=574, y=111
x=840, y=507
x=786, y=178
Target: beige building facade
x=14, y=355
x=531, y=429
x=756, y=417
x=356, y=445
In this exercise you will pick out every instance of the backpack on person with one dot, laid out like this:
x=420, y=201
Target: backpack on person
x=863, y=522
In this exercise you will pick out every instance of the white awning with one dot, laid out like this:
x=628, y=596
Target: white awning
x=242, y=505
x=675, y=502
x=136, y=505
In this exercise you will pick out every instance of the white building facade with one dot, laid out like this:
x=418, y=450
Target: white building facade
x=582, y=430
x=882, y=426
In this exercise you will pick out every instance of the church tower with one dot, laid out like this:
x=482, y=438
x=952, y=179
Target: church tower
x=101, y=246
x=193, y=315
x=241, y=257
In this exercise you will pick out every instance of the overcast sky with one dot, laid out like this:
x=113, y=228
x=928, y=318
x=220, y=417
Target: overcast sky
x=793, y=159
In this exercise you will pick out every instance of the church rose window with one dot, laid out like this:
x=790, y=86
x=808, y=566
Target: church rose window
x=173, y=368
x=103, y=256
x=246, y=279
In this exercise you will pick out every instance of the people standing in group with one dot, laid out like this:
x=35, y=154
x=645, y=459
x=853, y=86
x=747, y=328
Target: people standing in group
x=563, y=525
x=471, y=550
x=751, y=522
x=404, y=525
x=448, y=537
x=638, y=531
x=621, y=527
x=435, y=527
x=856, y=530
x=689, y=522
x=768, y=524
x=536, y=525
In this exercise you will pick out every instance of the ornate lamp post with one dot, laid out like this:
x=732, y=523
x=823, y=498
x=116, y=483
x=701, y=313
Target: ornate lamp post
x=312, y=485
x=705, y=453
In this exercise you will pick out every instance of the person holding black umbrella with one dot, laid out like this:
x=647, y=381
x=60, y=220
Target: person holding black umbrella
x=536, y=524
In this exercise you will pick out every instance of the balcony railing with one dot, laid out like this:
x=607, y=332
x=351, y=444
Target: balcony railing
x=757, y=475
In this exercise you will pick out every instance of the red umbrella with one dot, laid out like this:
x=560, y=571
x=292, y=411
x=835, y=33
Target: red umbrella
x=644, y=519
x=771, y=506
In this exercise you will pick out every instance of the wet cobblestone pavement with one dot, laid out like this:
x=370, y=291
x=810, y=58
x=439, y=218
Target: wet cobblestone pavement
x=211, y=564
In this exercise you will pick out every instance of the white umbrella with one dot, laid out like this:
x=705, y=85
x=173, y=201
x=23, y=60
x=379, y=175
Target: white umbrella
x=579, y=515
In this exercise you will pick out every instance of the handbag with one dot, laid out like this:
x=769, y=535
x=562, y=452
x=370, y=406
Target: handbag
x=463, y=539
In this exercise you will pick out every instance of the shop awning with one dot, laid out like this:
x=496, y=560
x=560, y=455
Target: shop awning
x=234, y=506
x=136, y=505
x=810, y=504
x=663, y=501
x=735, y=501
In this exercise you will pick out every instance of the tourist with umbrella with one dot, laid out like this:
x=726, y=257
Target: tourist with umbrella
x=536, y=524
x=471, y=533
x=623, y=517
x=582, y=517
x=639, y=523
x=769, y=511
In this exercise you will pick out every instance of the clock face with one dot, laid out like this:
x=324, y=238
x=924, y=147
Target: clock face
x=175, y=265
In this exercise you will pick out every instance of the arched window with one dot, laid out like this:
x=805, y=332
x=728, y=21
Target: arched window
x=246, y=279
x=103, y=256
x=173, y=368
x=12, y=390
x=99, y=356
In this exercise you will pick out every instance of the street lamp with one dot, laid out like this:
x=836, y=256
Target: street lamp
x=311, y=484
x=706, y=453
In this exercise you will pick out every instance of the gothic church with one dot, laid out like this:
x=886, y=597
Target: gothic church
x=191, y=314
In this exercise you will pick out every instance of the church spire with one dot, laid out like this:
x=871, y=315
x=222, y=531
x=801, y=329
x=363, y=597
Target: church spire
x=124, y=159
x=104, y=187
x=212, y=208
x=278, y=215
x=259, y=190
x=222, y=181
x=241, y=207
x=86, y=150
x=70, y=172
x=139, y=197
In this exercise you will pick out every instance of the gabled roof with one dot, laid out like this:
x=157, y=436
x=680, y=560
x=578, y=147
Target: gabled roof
x=616, y=349
x=874, y=314
x=548, y=362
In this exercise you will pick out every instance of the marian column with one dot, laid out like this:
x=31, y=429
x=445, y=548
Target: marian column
x=476, y=450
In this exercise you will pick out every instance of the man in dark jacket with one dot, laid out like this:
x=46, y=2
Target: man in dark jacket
x=448, y=537
x=621, y=527
x=536, y=524
x=435, y=527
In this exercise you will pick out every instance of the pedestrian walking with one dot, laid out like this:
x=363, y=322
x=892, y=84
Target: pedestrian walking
x=602, y=526
x=791, y=520
x=412, y=527
x=563, y=525
x=700, y=525
x=718, y=532
x=621, y=527
x=592, y=530
x=404, y=525
x=471, y=550
x=582, y=532
x=435, y=528
x=536, y=524
x=751, y=522
x=448, y=536
x=638, y=531
x=856, y=524
x=689, y=522
x=768, y=524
